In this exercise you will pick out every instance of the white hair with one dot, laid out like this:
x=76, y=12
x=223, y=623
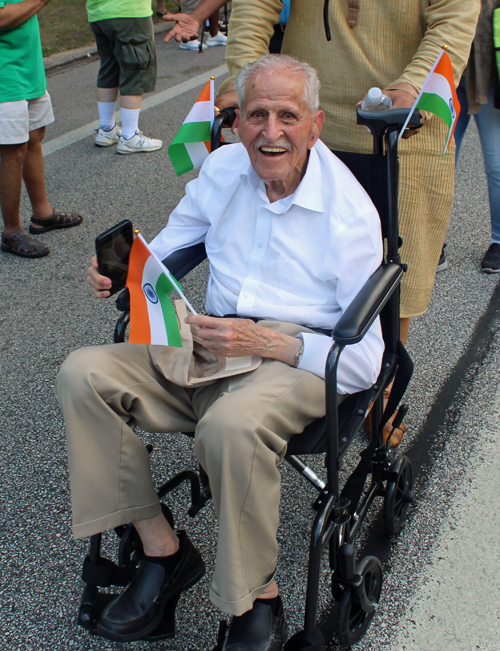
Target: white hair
x=279, y=63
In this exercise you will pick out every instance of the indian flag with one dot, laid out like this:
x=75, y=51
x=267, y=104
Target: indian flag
x=153, y=319
x=191, y=144
x=438, y=95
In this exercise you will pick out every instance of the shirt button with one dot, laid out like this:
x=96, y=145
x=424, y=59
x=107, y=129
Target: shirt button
x=246, y=294
x=259, y=244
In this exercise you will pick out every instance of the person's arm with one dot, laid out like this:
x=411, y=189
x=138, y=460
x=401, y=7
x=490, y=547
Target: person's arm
x=188, y=25
x=17, y=14
x=449, y=22
x=250, y=28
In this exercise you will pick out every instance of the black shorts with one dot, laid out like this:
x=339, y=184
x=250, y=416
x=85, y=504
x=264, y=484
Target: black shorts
x=127, y=51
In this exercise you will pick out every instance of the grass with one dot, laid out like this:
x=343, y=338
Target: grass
x=64, y=25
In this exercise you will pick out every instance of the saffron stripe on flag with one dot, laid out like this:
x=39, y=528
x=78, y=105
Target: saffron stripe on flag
x=138, y=302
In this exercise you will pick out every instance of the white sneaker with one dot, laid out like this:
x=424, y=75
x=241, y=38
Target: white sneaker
x=107, y=138
x=139, y=142
x=218, y=39
x=192, y=45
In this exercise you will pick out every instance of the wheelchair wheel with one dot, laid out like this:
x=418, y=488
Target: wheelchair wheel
x=398, y=496
x=357, y=606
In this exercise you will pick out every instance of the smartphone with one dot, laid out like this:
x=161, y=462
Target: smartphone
x=113, y=250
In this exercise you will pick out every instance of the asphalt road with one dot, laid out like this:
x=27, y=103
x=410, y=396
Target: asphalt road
x=441, y=590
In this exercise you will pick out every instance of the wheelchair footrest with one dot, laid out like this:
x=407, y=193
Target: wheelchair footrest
x=91, y=610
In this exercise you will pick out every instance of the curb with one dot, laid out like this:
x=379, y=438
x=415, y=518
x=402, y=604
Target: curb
x=70, y=56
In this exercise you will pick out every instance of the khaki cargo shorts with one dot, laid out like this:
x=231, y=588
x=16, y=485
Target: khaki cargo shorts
x=127, y=51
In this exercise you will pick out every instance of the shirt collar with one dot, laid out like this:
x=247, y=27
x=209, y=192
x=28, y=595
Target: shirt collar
x=308, y=195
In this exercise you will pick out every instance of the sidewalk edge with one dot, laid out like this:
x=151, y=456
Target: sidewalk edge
x=70, y=56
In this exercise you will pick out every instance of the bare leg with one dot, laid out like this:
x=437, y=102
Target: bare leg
x=11, y=172
x=157, y=536
x=214, y=23
x=34, y=175
x=270, y=592
x=404, y=329
x=107, y=94
x=130, y=101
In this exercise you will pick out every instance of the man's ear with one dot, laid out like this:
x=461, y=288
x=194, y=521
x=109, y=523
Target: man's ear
x=236, y=123
x=319, y=120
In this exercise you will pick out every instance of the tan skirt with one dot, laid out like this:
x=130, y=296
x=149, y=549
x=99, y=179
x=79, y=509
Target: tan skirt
x=426, y=188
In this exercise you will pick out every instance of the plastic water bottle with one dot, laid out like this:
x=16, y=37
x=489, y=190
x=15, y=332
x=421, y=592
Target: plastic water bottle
x=376, y=101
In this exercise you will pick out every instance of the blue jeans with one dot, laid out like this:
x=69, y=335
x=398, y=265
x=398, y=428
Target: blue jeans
x=488, y=124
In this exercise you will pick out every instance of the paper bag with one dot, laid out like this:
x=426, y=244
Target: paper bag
x=193, y=365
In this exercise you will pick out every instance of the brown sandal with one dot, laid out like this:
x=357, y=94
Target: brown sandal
x=24, y=245
x=56, y=220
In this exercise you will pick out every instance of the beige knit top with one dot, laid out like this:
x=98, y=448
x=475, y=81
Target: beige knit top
x=392, y=41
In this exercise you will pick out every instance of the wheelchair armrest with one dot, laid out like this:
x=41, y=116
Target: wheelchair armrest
x=179, y=263
x=367, y=304
x=224, y=119
x=379, y=122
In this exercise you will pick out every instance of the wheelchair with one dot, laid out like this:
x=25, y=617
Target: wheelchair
x=339, y=511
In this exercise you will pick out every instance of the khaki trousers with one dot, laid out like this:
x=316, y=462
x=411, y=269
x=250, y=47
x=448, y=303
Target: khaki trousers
x=242, y=424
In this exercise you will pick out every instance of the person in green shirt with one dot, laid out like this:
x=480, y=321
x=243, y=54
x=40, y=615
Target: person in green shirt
x=25, y=110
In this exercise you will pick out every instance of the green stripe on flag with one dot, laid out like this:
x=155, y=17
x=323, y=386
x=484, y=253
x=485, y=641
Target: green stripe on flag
x=180, y=159
x=437, y=105
x=192, y=132
x=163, y=289
x=189, y=132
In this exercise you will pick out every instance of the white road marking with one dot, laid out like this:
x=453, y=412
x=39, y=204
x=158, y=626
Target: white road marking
x=84, y=132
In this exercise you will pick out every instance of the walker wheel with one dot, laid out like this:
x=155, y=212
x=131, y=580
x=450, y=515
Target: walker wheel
x=398, y=496
x=358, y=605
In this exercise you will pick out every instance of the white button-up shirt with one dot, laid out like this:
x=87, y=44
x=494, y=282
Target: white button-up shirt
x=301, y=259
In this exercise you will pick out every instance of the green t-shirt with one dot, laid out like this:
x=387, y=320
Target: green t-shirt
x=21, y=60
x=105, y=9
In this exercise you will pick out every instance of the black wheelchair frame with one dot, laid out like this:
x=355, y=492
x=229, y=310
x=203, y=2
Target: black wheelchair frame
x=340, y=512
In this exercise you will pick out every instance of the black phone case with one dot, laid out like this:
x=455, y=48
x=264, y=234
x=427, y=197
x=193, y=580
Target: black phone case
x=123, y=228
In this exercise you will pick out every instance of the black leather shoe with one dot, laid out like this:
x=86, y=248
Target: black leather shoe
x=257, y=630
x=138, y=610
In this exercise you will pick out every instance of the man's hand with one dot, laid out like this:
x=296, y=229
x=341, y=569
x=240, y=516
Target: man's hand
x=99, y=285
x=403, y=99
x=242, y=338
x=186, y=29
x=229, y=99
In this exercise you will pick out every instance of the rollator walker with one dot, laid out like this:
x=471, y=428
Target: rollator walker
x=339, y=512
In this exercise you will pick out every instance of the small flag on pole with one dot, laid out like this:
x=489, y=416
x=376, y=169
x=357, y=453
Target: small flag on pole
x=153, y=319
x=438, y=95
x=191, y=144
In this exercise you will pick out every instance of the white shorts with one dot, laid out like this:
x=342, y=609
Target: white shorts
x=17, y=119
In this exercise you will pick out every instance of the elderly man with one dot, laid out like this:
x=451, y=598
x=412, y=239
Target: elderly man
x=392, y=45
x=291, y=237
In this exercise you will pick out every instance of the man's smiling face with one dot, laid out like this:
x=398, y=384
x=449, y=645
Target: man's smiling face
x=277, y=129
